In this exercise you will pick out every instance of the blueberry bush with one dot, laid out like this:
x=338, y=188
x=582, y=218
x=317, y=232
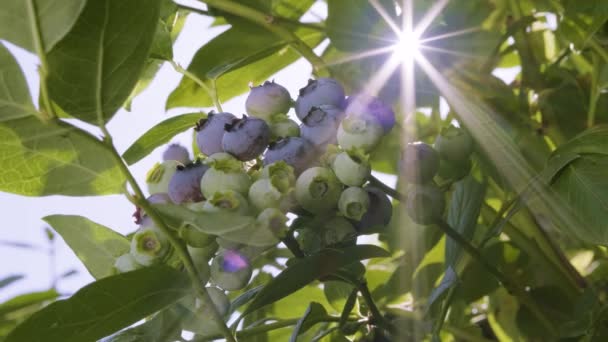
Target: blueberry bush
x=274, y=224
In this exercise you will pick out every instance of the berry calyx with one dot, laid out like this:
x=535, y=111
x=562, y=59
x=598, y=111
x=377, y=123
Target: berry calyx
x=425, y=204
x=420, y=163
x=227, y=201
x=318, y=190
x=210, y=132
x=224, y=174
x=322, y=91
x=160, y=175
x=246, y=138
x=149, y=245
x=353, y=203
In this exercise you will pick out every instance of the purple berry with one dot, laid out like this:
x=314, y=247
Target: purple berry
x=267, y=100
x=246, y=138
x=362, y=104
x=294, y=151
x=185, y=185
x=320, y=125
x=210, y=132
x=176, y=152
x=420, y=162
x=323, y=91
x=378, y=214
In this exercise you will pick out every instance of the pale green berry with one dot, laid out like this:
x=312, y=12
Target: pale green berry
x=353, y=203
x=337, y=230
x=318, y=190
x=195, y=237
x=126, y=263
x=149, y=245
x=230, y=270
x=220, y=180
x=227, y=201
x=359, y=132
x=274, y=220
x=352, y=168
x=160, y=175
x=262, y=194
x=281, y=126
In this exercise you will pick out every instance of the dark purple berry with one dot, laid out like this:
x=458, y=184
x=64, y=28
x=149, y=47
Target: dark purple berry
x=210, y=132
x=185, y=185
x=378, y=214
x=294, y=151
x=420, y=163
x=425, y=204
x=267, y=100
x=320, y=125
x=246, y=138
x=323, y=91
x=176, y=152
x=362, y=104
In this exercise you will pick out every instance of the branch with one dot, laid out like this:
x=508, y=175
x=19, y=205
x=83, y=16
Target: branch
x=272, y=25
x=211, y=91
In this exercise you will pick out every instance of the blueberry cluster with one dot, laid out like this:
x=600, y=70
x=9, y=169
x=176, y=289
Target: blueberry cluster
x=266, y=165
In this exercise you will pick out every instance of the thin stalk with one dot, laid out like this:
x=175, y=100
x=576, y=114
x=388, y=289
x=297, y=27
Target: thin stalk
x=215, y=97
x=510, y=285
x=209, y=90
x=595, y=93
x=386, y=189
x=602, y=52
x=268, y=22
x=377, y=316
x=179, y=247
x=44, y=66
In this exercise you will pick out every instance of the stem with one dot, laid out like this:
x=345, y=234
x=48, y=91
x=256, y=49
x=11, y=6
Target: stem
x=511, y=286
x=293, y=246
x=598, y=49
x=272, y=25
x=44, y=67
x=179, y=247
x=209, y=90
x=193, y=9
x=377, y=316
x=214, y=96
x=386, y=189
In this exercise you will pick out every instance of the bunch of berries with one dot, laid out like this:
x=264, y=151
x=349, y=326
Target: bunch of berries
x=266, y=166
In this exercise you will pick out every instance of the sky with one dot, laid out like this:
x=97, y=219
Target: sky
x=22, y=216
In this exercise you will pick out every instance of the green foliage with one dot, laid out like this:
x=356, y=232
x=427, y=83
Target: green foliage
x=95, y=245
x=118, y=302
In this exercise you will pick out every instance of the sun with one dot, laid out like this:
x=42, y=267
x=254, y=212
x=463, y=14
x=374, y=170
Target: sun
x=408, y=46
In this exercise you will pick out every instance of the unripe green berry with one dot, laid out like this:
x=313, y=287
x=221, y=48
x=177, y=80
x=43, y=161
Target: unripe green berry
x=310, y=240
x=282, y=126
x=352, y=168
x=353, y=203
x=262, y=194
x=159, y=176
x=454, y=144
x=230, y=270
x=359, y=132
x=282, y=175
x=223, y=176
x=425, y=204
x=454, y=171
x=274, y=220
x=149, y=245
x=126, y=263
x=227, y=201
x=420, y=163
x=318, y=190
x=337, y=230
x=195, y=237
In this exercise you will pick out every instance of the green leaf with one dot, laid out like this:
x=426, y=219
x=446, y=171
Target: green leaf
x=337, y=293
x=162, y=45
x=95, y=245
x=355, y=25
x=105, y=306
x=593, y=140
x=163, y=327
x=6, y=281
x=94, y=68
x=314, y=313
x=55, y=159
x=254, y=235
x=244, y=298
x=54, y=17
x=15, y=100
x=583, y=186
x=240, y=57
x=306, y=270
x=27, y=300
x=467, y=198
x=210, y=223
x=449, y=280
x=159, y=135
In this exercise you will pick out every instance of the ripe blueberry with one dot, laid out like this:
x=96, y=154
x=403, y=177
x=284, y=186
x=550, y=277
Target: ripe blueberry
x=323, y=91
x=321, y=124
x=246, y=138
x=185, y=183
x=379, y=213
x=296, y=152
x=210, y=132
x=267, y=100
x=178, y=153
x=366, y=105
